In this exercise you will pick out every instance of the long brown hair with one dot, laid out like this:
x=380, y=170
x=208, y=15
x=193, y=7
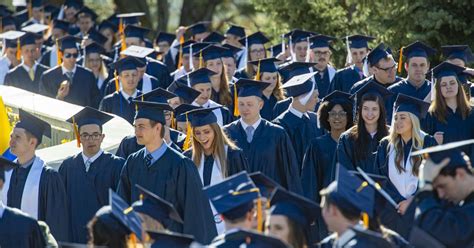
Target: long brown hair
x=297, y=237
x=360, y=134
x=438, y=107
x=224, y=92
x=277, y=92
x=218, y=150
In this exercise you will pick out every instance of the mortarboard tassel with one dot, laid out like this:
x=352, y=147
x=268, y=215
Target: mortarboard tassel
x=257, y=75
x=180, y=52
x=117, y=86
x=173, y=121
x=400, y=60
x=201, y=61
x=432, y=91
x=18, y=50
x=1, y=24
x=76, y=132
x=283, y=45
x=189, y=133
x=365, y=220
x=259, y=214
x=30, y=10
x=123, y=45
x=236, y=102
x=133, y=240
x=59, y=53
x=349, y=54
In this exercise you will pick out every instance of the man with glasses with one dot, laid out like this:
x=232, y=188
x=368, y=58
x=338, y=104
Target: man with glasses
x=322, y=55
x=68, y=81
x=89, y=174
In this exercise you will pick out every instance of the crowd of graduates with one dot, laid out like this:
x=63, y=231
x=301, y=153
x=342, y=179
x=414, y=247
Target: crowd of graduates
x=237, y=143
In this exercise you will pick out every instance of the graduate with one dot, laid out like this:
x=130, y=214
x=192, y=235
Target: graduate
x=299, y=122
x=344, y=203
x=356, y=146
x=181, y=120
x=268, y=73
x=69, y=81
x=200, y=81
x=17, y=229
x=460, y=55
x=254, y=45
x=86, y=19
x=266, y=146
x=184, y=56
x=320, y=46
x=266, y=187
x=166, y=173
x=357, y=50
x=51, y=57
x=290, y=218
x=233, y=34
x=27, y=74
x=94, y=61
x=184, y=94
x=89, y=174
x=34, y=188
x=108, y=30
x=163, y=43
x=8, y=59
x=393, y=154
x=335, y=116
x=450, y=116
x=36, y=13
x=229, y=59
x=299, y=45
x=416, y=65
x=214, y=154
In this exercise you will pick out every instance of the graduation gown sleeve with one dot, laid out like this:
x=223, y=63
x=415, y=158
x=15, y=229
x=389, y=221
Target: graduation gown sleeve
x=20, y=230
x=236, y=161
x=127, y=146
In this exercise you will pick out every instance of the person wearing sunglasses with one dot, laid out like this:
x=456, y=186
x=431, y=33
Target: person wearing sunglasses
x=69, y=81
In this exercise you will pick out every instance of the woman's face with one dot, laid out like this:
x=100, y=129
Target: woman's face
x=108, y=33
x=205, y=89
x=337, y=118
x=94, y=62
x=257, y=51
x=270, y=77
x=205, y=136
x=449, y=86
x=174, y=102
x=277, y=225
x=215, y=65
x=402, y=123
x=370, y=112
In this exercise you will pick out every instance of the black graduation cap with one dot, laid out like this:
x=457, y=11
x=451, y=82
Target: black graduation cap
x=185, y=46
x=86, y=12
x=198, y=28
x=371, y=87
x=127, y=63
x=68, y=42
x=350, y=193
x=36, y=28
x=338, y=97
x=130, y=18
x=195, y=48
x=320, y=40
x=358, y=40
x=107, y=24
x=266, y=65
x=21, y=17
x=449, y=150
x=77, y=4
x=248, y=87
x=266, y=185
x=11, y=38
x=60, y=24
x=90, y=115
x=182, y=109
x=295, y=68
x=170, y=239
x=156, y=207
x=34, y=125
x=152, y=110
x=94, y=48
x=249, y=239
x=405, y=103
x=211, y=52
x=378, y=53
x=158, y=95
x=377, y=182
x=236, y=30
x=231, y=51
x=49, y=8
x=199, y=76
x=275, y=50
x=234, y=196
x=418, y=49
x=6, y=164
x=297, y=208
x=462, y=52
x=214, y=37
x=255, y=38
x=202, y=116
x=188, y=94
x=133, y=31
x=36, y=3
x=28, y=39
x=300, y=84
x=125, y=214
x=446, y=69
x=298, y=35
x=165, y=37
x=96, y=36
x=7, y=21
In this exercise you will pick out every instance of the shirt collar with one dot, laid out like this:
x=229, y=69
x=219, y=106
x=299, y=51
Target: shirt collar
x=205, y=105
x=64, y=70
x=255, y=125
x=156, y=154
x=297, y=112
x=126, y=96
x=93, y=158
x=347, y=236
x=27, y=68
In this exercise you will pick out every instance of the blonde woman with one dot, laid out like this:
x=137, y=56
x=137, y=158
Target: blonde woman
x=95, y=63
x=214, y=154
x=393, y=155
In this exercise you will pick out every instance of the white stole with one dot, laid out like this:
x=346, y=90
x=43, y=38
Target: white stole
x=331, y=72
x=146, y=84
x=53, y=57
x=30, y=196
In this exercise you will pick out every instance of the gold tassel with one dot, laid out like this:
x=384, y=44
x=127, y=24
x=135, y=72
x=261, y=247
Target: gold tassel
x=189, y=133
x=117, y=86
x=123, y=45
x=132, y=240
x=259, y=215
x=400, y=59
x=76, y=132
x=365, y=220
x=257, y=76
x=173, y=121
x=30, y=10
x=180, y=56
x=236, y=102
x=18, y=50
x=59, y=53
x=1, y=24
x=201, y=61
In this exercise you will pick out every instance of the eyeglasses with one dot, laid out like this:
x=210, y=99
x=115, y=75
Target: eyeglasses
x=334, y=114
x=94, y=136
x=388, y=68
x=71, y=55
x=262, y=50
x=167, y=115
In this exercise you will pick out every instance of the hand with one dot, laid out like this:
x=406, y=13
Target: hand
x=429, y=170
x=469, y=71
x=180, y=32
x=63, y=90
x=403, y=205
x=439, y=137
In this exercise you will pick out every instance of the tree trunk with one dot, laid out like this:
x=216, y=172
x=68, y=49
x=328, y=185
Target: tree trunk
x=163, y=14
x=197, y=10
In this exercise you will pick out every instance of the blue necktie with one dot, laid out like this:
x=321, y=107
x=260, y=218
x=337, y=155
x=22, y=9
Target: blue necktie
x=249, y=132
x=148, y=160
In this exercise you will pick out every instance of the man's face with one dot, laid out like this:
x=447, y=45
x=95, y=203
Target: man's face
x=358, y=55
x=70, y=14
x=133, y=41
x=385, y=71
x=249, y=107
x=70, y=56
x=450, y=188
x=29, y=53
x=144, y=132
x=129, y=79
x=232, y=40
x=300, y=50
x=417, y=67
x=322, y=56
x=91, y=138
x=37, y=13
x=20, y=143
x=85, y=24
x=164, y=46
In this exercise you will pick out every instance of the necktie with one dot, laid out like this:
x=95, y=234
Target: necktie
x=69, y=76
x=88, y=164
x=148, y=160
x=130, y=99
x=249, y=131
x=31, y=73
x=207, y=171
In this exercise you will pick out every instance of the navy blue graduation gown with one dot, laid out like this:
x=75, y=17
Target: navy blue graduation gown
x=169, y=61
x=267, y=110
x=116, y=104
x=88, y=191
x=236, y=161
x=407, y=88
x=453, y=226
x=174, y=178
x=160, y=71
x=455, y=128
x=83, y=91
x=323, y=83
x=129, y=144
x=360, y=239
x=300, y=130
x=382, y=165
x=345, y=153
x=18, y=229
x=345, y=78
x=110, y=85
x=52, y=200
x=19, y=77
x=242, y=73
x=281, y=106
x=270, y=152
